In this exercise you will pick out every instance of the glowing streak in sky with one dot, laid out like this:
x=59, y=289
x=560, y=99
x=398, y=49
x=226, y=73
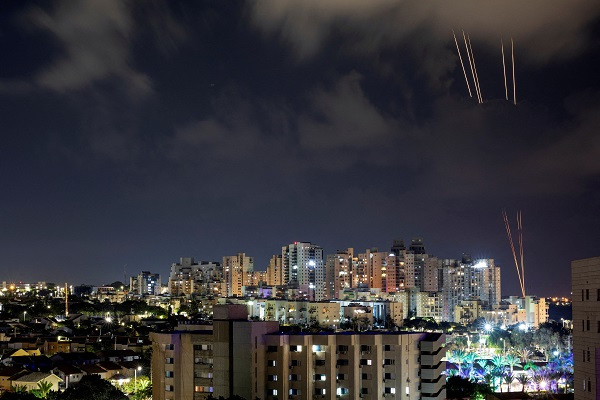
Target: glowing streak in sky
x=470, y=64
x=504, y=69
x=512, y=53
x=462, y=65
x=475, y=69
x=514, y=253
x=520, y=228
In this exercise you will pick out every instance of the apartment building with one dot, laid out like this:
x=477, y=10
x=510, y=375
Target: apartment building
x=253, y=359
x=350, y=365
x=224, y=359
x=586, y=327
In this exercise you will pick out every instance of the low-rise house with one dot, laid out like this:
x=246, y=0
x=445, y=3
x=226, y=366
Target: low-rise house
x=94, y=369
x=23, y=342
x=59, y=344
x=118, y=355
x=85, y=358
x=8, y=374
x=129, y=368
x=69, y=374
x=111, y=368
x=32, y=380
x=25, y=353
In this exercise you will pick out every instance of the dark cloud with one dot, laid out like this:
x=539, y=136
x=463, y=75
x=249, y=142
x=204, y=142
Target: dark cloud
x=544, y=30
x=95, y=37
x=141, y=132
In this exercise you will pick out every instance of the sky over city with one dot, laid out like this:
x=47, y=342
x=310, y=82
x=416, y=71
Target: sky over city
x=134, y=133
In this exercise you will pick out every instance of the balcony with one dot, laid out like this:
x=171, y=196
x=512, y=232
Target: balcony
x=441, y=395
x=433, y=373
x=431, y=343
x=432, y=359
x=432, y=387
x=202, y=381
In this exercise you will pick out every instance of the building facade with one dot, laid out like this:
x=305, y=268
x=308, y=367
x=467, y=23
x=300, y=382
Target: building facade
x=303, y=264
x=237, y=273
x=145, y=283
x=253, y=359
x=585, y=276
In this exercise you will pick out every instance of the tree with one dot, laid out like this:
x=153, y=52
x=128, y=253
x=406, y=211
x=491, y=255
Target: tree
x=459, y=388
x=92, y=387
x=44, y=387
x=138, y=389
x=17, y=396
x=512, y=362
x=509, y=379
x=523, y=380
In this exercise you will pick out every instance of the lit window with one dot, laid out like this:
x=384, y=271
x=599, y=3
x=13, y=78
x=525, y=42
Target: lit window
x=319, y=377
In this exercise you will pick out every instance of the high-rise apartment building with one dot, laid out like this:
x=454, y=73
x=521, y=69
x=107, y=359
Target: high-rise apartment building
x=340, y=269
x=275, y=271
x=181, y=278
x=224, y=359
x=237, y=273
x=188, y=277
x=585, y=278
x=470, y=280
x=252, y=359
x=145, y=283
x=303, y=264
x=389, y=365
x=533, y=309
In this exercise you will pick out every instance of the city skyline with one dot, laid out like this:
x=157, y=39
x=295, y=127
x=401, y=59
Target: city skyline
x=137, y=133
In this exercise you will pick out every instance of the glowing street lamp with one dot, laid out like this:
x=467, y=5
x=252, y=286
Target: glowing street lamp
x=487, y=327
x=139, y=368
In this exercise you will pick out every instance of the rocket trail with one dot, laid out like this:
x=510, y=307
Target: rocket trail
x=462, y=64
x=504, y=69
x=520, y=228
x=514, y=253
x=512, y=52
x=475, y=69
x=470, y=64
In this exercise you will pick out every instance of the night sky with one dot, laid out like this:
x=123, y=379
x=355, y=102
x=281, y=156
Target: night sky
x=137, y=132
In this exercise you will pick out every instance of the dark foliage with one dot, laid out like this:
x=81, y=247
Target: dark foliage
x=92, y=387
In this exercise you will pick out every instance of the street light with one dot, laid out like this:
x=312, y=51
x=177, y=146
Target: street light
x=24, y=313
x=139, y=368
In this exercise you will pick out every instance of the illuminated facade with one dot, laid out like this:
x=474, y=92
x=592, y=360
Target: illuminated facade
x=237, y=273
x=303, y=264
x=585, y=278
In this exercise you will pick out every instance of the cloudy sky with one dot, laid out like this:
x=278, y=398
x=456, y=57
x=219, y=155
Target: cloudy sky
x=134, y=133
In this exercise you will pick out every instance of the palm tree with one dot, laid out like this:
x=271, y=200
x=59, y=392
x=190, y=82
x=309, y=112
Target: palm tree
x=530, y=365
x=469, y=360
x=457, y=357
x=512, y=362
x=525, y=354
x=509, y=379
x=523, y=380
x=498, y=361
x=498, y=374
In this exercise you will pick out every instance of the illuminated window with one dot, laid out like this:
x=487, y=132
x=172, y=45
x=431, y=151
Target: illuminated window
x=319, y=377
